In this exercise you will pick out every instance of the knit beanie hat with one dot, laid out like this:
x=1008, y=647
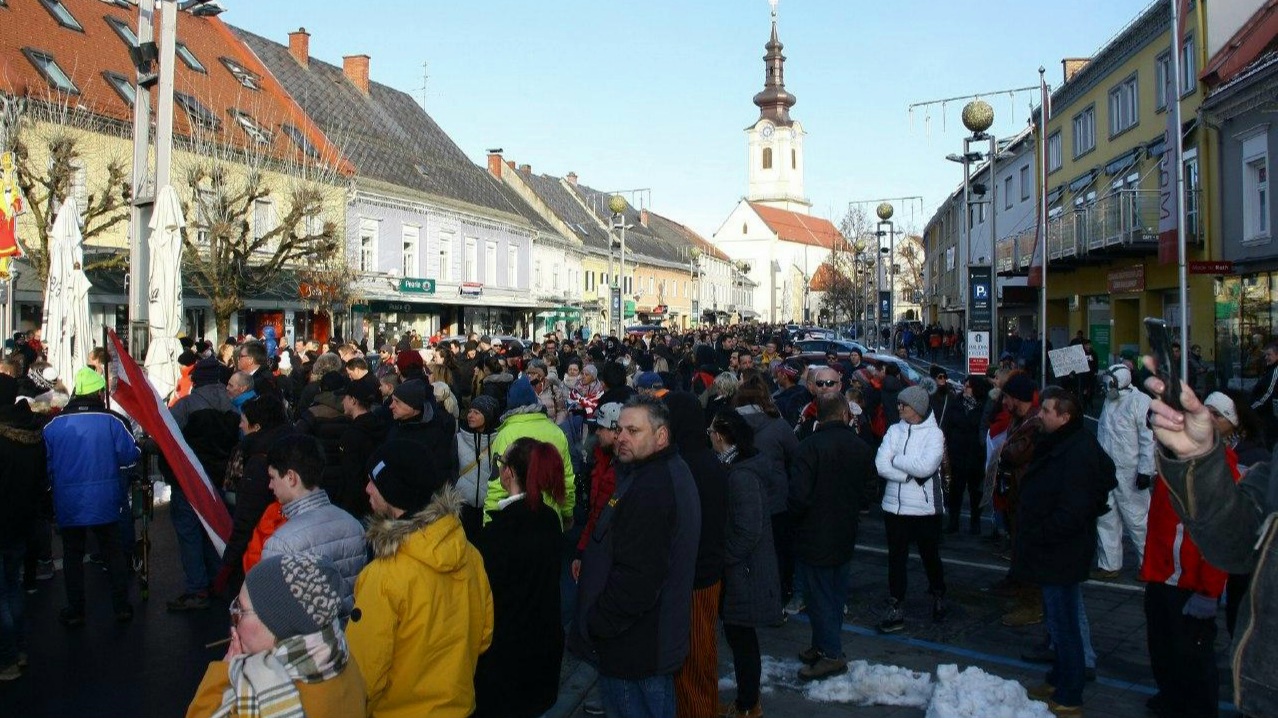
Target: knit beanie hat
x=407, y=359
x=521, y=394
x=206, y=371
x=1020, y=387
x=915, y=397
x=405, y=475
x=412, y=393
x=88, y=381
x=187, y=358
x=490, y=408
x=295, y=594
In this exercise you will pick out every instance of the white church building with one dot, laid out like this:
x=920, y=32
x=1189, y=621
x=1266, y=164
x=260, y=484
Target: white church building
x=772, y=228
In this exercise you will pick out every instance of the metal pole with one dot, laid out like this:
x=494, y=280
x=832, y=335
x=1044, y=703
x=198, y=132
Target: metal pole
x=1042, y=216
x=996, y=332
x=1182, y=277
x=164, y=110
x=621, y=260
x=143, y=196
x=965, y=241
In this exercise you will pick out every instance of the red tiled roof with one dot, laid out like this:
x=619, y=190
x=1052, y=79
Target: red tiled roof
x=800, y=228
x=824, y=278
x=85, y=57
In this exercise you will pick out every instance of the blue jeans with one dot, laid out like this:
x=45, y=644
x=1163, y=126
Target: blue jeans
x=652, y=697
x=1060, y=612
x=200, y=563
x=12, y=639
x=826, y=590
x=1085, y=629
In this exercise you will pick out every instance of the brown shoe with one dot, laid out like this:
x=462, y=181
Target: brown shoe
x=810, y=656
x=1064, y=711
x=732, y=711
x=1027, y=616
x=822, y=669
x=1100, y=574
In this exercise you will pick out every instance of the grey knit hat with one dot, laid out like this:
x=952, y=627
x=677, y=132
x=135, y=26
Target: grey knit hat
x=916, y=398
x=295, y=594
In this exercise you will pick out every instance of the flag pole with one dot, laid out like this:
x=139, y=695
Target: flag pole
x=1042, y=219
x=1178, y=145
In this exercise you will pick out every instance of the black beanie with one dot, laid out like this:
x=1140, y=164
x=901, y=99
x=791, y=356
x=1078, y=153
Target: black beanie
x=206, y=371
x=404, y=475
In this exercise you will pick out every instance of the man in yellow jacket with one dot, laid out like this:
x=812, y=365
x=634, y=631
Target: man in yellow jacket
x=423, y=607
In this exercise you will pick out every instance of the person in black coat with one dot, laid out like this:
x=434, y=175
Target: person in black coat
x=419, y=419
x=326, y=420
x=1063, y=492
x=365, y=432
x=23, y=482
x=518, y=675
x=827, y=490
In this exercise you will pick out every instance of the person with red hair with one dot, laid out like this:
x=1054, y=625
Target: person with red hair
x=521, y=545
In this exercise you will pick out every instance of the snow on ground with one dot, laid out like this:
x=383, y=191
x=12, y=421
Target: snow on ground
x=970, y=693
x=973, y=693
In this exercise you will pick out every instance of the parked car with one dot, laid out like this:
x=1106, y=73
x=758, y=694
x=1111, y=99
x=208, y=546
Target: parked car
x=645, y=328
x=823, y=346
x=909, y=373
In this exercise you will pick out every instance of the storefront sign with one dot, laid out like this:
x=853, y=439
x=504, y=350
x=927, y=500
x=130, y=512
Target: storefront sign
x=471, y=289
x=1127, y=281
x=416, y=285
x=616, y=303
x=980, y=283
x=978, y=352
x=1211, y=267
x=381, y=306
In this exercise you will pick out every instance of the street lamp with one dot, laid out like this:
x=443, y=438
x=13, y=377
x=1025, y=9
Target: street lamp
x=694, y=269
x=885, y=212
x=982, y=286
x=617, y=205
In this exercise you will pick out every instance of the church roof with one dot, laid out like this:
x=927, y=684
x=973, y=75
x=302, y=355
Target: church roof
x=825, y=278
x=800, y=228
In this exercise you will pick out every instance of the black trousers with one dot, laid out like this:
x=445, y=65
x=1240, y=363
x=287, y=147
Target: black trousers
x=970, y=481
x=108, y=536
x=1182, y=652
x=782, y=528
x=925, y=532
x=746, y=663
x=1235, y=591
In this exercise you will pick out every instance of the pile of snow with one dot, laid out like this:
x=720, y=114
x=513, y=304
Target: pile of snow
x=970, y=693
x=973, y=693
x=867, y=684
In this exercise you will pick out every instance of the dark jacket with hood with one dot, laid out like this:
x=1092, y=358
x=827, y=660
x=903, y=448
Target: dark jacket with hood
x=687, y=432
x=1064, y=491
x=252, y=492
x=791, y=401
x=211, y=427
x=434, y=429
x=827, y=491
x=498, y=387
x=360, y=438
x=24, y=478
x=325, y=420
x=775, y=441
x=634, y=600
x=751, y=581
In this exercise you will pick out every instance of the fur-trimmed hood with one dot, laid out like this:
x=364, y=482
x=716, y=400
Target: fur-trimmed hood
x=21, y=435
x=440, y=551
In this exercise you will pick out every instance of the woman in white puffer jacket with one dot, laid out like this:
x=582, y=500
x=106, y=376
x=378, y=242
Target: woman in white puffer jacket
x=910, y=460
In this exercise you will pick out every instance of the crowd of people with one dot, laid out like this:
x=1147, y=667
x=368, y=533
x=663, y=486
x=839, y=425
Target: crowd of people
x=425, y=531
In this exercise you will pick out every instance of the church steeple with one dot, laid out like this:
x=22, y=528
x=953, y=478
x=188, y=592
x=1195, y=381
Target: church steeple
x=774, y=102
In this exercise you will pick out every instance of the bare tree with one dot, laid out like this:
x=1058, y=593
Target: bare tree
x=851, y=265
x=910, y=259
x=255, y=211
x=53, y=142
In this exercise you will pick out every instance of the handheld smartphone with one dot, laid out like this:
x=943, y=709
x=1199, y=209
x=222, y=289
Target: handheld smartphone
x=1168, y=368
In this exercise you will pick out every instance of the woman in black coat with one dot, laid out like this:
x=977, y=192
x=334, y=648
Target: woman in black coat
x=751, y=584
x=519, y=674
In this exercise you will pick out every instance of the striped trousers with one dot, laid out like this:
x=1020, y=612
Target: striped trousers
x=697, y=682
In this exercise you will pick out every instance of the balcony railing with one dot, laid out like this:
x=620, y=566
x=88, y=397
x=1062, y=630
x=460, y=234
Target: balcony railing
x=1122, y=219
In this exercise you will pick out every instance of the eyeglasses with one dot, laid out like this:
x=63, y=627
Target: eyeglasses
x=825, y=382
x=237, y=611
x=499, y=462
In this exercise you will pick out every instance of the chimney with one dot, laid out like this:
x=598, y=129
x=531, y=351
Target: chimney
x=526, y=169
x=572, y=178
x=510, y=164
x=355, y=67
x=299, y=46
x=643, y=217
x=494, y=163
x=1071, y=66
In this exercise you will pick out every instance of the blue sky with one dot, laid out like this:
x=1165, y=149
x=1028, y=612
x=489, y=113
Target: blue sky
x=657, y=94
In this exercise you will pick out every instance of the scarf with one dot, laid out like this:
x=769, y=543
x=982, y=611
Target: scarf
x=262, y=683
x=728, y=455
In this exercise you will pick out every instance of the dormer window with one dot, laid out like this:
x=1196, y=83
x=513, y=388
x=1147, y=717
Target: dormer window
x=189, y=58
x=123, y=29
x=62, y=14
x=49, y=68
x=245, y=76
x=299, y=139
x=251, y=128
x=198, y=114
x=123, y=87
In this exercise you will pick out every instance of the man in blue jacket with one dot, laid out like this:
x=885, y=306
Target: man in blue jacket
x=87, y=445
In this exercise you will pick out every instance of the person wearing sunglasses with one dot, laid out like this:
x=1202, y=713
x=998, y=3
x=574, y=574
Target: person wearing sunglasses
x=821, y=380
x=287, y=654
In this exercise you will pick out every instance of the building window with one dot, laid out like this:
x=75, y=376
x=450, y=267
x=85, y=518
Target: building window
x=62, y=14
x=368, y=245
x=123, y=29
x=1256, y=210
x=471, y=260
x=411, y=237
x=299, y=140
x=198, y=114
x=554, y=276
x=264, y=220
x=242, y=74
x=252, y=129
x=794, y=159
x=446, y=257
x=80, y=187
x=122, y=87
x=204, y=203
x=745, y=228
x=1124, y=106
x=537, y=274
x=512, y=266
x=767, y=158
x=1162, y=79
x=490, y=263
x=189, y=58
x=1025, y=183
x=1085, y=131
x=1054, y=151
x=1188, y=67
x=313, y=224
x=48, y=67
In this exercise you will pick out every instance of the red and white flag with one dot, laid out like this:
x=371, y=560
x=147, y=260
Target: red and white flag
x=135, y=395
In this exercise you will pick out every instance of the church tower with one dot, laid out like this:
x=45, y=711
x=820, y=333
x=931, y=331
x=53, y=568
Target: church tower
x=775, y=140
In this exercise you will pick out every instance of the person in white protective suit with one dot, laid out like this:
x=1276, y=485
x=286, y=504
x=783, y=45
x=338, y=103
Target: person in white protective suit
x=1127, y=438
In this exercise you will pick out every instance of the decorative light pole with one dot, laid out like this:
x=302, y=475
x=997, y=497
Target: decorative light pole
x=617, y=205
x=982, y=286
x=694, y=269
x=885, y=212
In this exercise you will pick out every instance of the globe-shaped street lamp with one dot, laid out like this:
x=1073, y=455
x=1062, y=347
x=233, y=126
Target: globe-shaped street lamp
x=617, y=204
x=884, y=211
x=978, y=116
